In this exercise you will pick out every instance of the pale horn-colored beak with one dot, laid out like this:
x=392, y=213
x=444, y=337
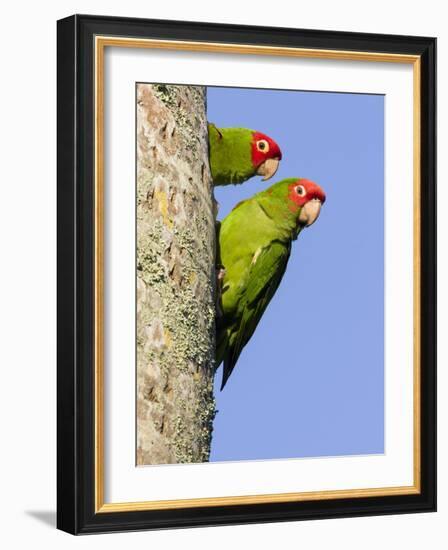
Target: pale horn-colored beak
x=268, y=168
x=310, y=212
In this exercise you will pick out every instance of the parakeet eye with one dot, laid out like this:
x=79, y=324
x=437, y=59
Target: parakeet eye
x=263, y=146
x=300, y=190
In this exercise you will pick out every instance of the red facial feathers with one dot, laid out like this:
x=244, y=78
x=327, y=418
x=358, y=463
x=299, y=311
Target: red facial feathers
x=263, y=148
x=302, y=191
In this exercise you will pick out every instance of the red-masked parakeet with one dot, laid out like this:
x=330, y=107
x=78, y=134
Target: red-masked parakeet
x=254, y=243
x=237, y=154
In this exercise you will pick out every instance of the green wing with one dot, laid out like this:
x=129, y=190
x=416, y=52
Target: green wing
x=262, y=281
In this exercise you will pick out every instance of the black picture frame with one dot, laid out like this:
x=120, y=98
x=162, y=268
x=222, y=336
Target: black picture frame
x=75, y=172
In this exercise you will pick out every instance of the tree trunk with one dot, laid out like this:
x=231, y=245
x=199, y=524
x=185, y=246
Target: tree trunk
x=175, y=276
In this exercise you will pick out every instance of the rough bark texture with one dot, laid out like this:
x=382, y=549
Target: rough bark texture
x=175, y=276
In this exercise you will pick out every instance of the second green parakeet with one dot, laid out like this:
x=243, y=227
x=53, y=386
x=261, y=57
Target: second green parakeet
x=254, y=244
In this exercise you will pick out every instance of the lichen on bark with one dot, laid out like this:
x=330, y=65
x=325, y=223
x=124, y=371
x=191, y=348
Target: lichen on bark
x=175, y=276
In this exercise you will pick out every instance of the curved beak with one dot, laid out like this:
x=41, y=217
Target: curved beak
x=268, y=168
x=310, y=212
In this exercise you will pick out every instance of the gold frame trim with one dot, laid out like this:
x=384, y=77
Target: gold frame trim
x=101, y=42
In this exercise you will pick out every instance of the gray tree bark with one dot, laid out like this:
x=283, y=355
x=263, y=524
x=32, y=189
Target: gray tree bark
x=175, y=276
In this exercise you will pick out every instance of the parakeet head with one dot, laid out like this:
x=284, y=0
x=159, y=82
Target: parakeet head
x=266, y=155
x=295, y=200
x=308, y=197
x=238, y=154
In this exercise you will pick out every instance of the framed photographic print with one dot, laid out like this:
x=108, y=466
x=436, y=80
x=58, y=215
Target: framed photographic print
x=246, y=274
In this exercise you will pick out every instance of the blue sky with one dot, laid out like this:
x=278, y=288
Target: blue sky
x=311, y=380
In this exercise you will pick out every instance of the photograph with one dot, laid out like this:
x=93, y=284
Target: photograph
x=246, y=267
x=223, y=236
x=260, y=316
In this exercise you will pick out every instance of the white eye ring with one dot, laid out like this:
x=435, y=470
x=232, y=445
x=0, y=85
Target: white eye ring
x=300, y=190
x=263, y=146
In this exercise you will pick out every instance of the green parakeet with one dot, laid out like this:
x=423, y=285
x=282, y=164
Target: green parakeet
x=254, y=244
x=237, y=154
